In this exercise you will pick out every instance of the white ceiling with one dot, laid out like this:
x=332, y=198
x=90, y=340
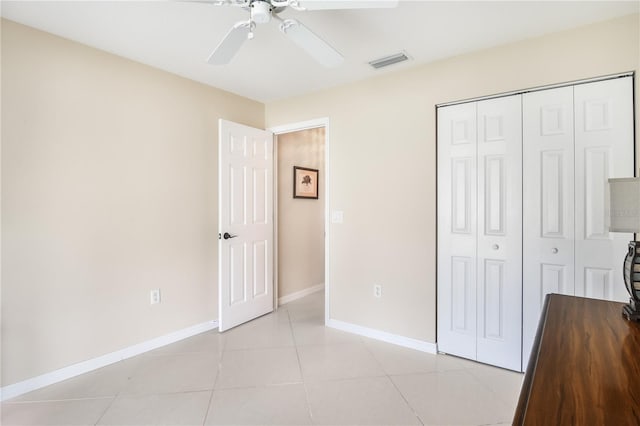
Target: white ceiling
x=178, y=36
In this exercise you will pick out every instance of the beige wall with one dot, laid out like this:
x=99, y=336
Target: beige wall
x=382, y=162
x=109, y=189
x=300, y=221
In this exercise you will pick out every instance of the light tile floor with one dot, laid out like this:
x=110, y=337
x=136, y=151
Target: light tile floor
x=285, y=368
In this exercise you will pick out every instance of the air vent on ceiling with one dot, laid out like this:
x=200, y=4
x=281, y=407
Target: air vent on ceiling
x=389, y=60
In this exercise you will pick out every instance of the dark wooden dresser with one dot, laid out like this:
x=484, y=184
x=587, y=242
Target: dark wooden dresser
x=584, y=367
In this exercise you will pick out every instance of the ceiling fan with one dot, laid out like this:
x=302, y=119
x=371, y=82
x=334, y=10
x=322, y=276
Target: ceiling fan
x=263, y=11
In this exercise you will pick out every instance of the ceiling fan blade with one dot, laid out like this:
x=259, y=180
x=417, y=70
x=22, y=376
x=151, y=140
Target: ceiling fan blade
x=230, y=44
x=311, y=43
x=241, y=3
x=343, y=4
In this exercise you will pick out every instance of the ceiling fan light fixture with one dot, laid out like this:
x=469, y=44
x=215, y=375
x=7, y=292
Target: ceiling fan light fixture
x=389, y=60
x=261, y=11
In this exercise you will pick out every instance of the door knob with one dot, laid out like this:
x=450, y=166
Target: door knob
x=227, y=235
x=554, y=250
x=495, y=247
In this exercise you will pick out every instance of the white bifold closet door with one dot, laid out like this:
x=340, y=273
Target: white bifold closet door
x=575, y=138
x=457, y=229
x=480, y=231
x=604, y=149
x=500, y=232
x=548, y=201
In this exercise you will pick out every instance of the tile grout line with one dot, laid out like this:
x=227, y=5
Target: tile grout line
x=107, y=409
x=43, y=401
x=215, y=381
x=133, y=371
x=415, y=413
x=488, y=389
x=388, y=376
x=260, y=348
x=304, y=383
x=206, y=413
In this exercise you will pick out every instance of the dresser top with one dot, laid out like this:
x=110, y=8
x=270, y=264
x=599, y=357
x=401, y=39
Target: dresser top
x=584, y=368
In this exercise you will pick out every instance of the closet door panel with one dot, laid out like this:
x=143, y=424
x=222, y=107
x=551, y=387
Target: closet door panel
x=548, y=205
x=604, y=149
x=500, y=232
x=457, y=223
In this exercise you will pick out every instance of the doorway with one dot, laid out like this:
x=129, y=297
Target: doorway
x=301, y=221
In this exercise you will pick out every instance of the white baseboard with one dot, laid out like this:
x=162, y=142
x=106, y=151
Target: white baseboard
x=407, y=342
x=299, y=294
x=65, y=373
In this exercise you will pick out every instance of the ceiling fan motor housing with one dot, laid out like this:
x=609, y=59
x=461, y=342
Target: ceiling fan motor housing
x=261, y=11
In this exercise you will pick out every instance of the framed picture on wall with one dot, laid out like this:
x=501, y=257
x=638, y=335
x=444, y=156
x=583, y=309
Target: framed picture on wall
x=305, y=182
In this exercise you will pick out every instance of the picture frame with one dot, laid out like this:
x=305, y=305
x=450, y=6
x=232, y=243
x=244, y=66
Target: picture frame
x=305, y=182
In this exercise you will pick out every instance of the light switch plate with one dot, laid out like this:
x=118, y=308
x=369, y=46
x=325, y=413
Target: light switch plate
x=337, y=216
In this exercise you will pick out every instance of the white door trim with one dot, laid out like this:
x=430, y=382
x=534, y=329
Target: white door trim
x=294, y=127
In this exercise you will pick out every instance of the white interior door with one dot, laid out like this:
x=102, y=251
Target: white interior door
x=245, y=224
x=499, y=278
x=457, y=187
x=604, y=149
x=548, y=201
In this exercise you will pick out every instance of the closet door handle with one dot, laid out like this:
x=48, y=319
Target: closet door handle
x=554, y=250
x=495, y=247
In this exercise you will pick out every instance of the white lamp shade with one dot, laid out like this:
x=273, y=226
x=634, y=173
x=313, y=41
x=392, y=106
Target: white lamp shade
x=624, y=204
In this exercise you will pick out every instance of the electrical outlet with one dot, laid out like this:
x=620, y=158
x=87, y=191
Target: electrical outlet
x=377, y=290
x=154, y=296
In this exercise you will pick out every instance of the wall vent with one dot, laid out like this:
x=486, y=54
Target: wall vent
x=389, y=60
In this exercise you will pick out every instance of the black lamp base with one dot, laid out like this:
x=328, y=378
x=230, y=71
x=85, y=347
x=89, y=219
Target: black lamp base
x=629, y=313
x=631, y=274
